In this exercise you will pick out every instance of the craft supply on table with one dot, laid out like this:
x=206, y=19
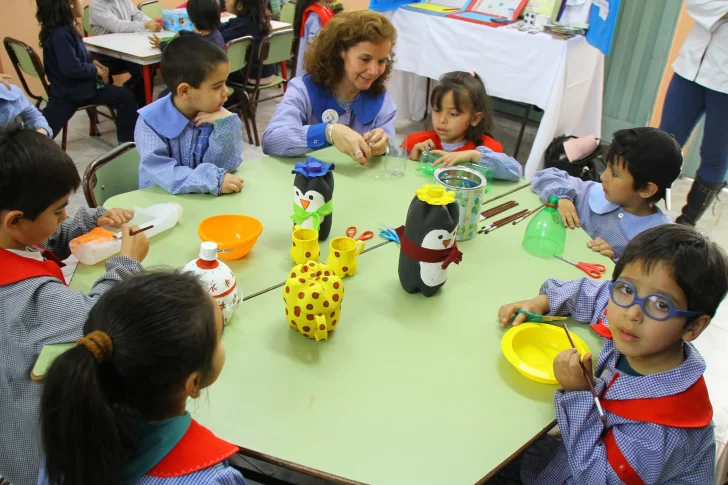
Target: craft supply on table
x=234, y=234
x=532, y=347
x=545, y=235
x=528, y=214
x=388, y=233
x=217, y=278
x=304, y=245
x=313, y=192
x=343, y=255
x=365, y=236
x=535, y=317
x=395, y=165
x=102, y=243
x=469, y=187
x=587, y=376
x=487, y=214
x=594, y=270
x=427, y=240
x=519, y=187
x=313, y=296
x=176, y=19
x=120, y=235
x=501, y=222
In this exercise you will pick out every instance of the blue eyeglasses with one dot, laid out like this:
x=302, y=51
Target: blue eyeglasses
x=656, y=306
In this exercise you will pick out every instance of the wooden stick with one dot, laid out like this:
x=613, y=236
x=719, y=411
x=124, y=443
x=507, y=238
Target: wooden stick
x=529, y=214
x=504, y=194
x=118, y=235
x=499, y=206
x=586, y=375
x=498, y=210
x=501, y=222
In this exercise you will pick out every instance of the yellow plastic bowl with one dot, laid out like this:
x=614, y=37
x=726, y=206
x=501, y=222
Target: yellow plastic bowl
x=235, y=235
x=532, y=347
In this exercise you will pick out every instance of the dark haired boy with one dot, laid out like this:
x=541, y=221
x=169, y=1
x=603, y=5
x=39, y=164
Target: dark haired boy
x=642, y=163
x=36, y=306
x=187, y=142
x=665, y=289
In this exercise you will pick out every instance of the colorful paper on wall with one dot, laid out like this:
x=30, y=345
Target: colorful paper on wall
x=602, y=24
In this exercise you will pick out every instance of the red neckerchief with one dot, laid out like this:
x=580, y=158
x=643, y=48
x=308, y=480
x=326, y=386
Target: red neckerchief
x=415, y=138
x=418, y=253
x=198, y=449
x=324, y=12
x=18, y=268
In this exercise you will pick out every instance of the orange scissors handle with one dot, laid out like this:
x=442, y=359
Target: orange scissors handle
x=593, y=270
x=365, y=236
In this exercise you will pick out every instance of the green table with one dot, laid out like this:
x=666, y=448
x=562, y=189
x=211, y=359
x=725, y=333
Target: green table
x=407, y=389
x=360, y=199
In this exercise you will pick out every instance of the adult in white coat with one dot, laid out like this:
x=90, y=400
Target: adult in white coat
x=700, y=87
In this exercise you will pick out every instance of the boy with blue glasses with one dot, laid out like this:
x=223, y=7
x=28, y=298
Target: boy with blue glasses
x=666, y=288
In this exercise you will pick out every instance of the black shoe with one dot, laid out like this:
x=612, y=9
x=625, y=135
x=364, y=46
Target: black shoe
x=702, y=194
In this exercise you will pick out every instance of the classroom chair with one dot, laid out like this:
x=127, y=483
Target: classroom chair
x=288, y=12
x=113, y=173
x=240, y=53
x=275, y=48
x=86, y=22
x=26, y=61
x=152, y=9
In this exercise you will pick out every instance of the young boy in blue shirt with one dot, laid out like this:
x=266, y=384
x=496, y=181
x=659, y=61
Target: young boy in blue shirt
x=14, y=104
x=665, y=289
x=642, y=163
x=187, y=142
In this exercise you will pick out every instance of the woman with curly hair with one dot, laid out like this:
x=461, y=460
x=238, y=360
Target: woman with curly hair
x=342, y=101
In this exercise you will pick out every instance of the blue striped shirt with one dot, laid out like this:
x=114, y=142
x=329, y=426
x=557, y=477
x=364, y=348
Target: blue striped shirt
x=13, y=103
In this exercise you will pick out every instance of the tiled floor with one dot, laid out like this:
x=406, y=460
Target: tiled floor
x=83, y=149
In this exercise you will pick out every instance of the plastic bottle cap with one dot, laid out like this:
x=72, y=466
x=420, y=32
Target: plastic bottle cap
x=435, y=190
x=553, y=201
x=208, y=251
x=314, y=167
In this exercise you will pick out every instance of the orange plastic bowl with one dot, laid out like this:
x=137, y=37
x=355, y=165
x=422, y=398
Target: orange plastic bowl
x=235, y=235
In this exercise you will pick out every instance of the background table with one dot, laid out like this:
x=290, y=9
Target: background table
x=407, y=389
x=360, y=199
x=564, y=78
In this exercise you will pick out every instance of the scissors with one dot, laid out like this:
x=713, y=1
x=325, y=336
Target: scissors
x=593, y=270
x=389, y=234
x=534, y=317
x=365, y=236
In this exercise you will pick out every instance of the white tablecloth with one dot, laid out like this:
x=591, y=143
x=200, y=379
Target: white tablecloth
x=564, y=78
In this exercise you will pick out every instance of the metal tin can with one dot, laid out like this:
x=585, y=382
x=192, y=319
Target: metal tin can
x=469, y=187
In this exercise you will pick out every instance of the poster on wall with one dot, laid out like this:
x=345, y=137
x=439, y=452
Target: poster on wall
x=602, y=23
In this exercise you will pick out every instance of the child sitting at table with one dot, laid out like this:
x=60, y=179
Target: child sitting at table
x=664, y=291
x=251, y=19
x=187, y=142
x=205, y=18
x=311, y=16
x=36, y=181
x=15, y=107
x=75, y=80
x=462, y=119
x=113, y=406
x=642, y=163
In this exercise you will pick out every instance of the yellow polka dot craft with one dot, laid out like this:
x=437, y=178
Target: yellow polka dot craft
x=313, y=295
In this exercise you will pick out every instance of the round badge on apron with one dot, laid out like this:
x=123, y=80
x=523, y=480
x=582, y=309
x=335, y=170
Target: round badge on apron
x=330, y=116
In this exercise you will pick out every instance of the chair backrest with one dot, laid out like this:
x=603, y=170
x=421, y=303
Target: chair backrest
x=26, y=62
x=86, y=20
x=239, y=52
x=277, y=47
x=288, y=12
x=114, y=173
x=152, y=9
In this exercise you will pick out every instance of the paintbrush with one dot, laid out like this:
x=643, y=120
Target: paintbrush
x=497, y=210
x=119, y=235
x=530, y=213
x=588, y=379
x=500, y=222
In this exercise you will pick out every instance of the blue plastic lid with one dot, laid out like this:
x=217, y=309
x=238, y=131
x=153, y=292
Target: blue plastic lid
x=313, y=167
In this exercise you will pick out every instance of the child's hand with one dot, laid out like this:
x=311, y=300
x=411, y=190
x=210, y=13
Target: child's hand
x=115, y=218
x=210, y=118
x=152, y=25
x=102, y=71
x=4, y=79
x=135, y=247
x=231, y=184
x=567, y=209
x=538, y=305
x=419, y=148
x=568, y=371
x=600, y=246
x=455, y=158
x=378, y=141
x=351, y=143
x=154, y=41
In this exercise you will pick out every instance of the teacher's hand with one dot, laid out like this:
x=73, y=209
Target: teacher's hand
x=351, y=143
x=378, y=140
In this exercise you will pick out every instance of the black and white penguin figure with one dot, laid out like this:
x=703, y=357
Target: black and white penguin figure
x=313, y=187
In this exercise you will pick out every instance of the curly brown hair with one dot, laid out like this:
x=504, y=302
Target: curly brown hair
x=323, y=60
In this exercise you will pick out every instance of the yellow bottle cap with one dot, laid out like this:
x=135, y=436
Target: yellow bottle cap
x=435, y=195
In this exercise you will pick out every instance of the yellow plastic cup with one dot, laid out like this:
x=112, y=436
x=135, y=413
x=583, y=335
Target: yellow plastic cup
x=304, y=245
x=343, y=254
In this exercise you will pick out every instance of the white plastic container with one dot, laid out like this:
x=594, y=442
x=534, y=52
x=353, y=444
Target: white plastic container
x=101, y=243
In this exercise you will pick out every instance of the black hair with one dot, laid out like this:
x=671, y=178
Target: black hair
x=301, y=6
x=640, y=177
x=204, y=14
x=162, y=328
x=34, y=172
x=54, y=14
x=190, y=59
x=256, y=11
x=468, y=91
x=698, y=265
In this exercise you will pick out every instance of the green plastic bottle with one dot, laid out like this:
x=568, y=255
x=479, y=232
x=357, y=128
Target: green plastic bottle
x=546, y=234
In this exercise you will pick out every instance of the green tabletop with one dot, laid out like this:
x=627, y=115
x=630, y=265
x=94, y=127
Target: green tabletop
x=360, y=199
x=408, y=389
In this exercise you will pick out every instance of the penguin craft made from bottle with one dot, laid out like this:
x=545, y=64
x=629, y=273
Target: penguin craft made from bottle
x=313, y=190
x=427, y=240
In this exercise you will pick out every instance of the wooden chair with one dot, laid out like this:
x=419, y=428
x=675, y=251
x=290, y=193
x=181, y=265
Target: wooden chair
x=152, y=9
x=275, y=48
x=113, y=173
x=86, y=22
x=26, y=61
x=240, y=53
